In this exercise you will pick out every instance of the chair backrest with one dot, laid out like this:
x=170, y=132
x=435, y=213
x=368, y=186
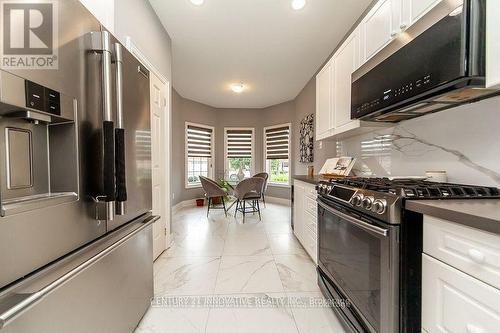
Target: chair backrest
x=254, y=184
x=265, y=176
x=211, y=188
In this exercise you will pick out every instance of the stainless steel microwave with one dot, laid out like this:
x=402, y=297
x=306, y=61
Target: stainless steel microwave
x=441, y=66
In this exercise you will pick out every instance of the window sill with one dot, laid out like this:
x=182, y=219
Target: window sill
x=279, y=185
x=190, y=187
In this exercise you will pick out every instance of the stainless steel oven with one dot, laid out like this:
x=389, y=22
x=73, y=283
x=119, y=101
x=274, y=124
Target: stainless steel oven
x=359, y=262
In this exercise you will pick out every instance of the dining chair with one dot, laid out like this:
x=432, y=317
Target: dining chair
x=213, y=190
x=265, y=176
x=249, y=189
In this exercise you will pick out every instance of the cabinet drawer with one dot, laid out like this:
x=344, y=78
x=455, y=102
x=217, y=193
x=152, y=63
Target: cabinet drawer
x=311, y=221
x=311, y=192
x=311, y=206
x=472, y=251
x=312, y=245
x=453, y=301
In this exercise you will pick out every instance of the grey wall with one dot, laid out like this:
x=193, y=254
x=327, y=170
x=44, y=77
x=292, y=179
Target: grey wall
x=305, y=103
x=137, y=19
x=186, y=110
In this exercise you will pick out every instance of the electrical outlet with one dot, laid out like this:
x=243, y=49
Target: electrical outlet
x=173, y=195
x=321, y=145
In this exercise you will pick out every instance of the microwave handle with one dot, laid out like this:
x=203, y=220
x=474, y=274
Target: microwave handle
x=121, y=185
x=361, y=224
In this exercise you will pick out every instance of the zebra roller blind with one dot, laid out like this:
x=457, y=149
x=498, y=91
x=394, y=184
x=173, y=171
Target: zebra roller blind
x=277, y=142
x=239, y=143
x=199, y=141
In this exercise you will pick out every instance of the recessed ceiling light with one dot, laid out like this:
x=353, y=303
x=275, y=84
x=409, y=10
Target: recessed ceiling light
x=238, y=88
x=197, y=2
x=298, y=4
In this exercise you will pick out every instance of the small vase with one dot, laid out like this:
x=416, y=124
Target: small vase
x=241, y=174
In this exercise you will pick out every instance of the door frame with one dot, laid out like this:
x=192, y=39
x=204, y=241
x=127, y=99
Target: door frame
x=136, y=51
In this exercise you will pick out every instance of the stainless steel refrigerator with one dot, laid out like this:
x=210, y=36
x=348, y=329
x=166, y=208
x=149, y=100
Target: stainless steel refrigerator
x=75, y=180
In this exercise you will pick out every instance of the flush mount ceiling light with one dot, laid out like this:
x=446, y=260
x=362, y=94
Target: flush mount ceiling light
x=298, y=4
x=238, y=88
x=197, y=2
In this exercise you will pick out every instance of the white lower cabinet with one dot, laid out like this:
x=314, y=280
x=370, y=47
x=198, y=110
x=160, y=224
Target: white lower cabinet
x=305, y=217
x=453, y=301
x=460, y=278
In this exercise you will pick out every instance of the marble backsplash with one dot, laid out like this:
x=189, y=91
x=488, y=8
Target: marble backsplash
x=464, y=142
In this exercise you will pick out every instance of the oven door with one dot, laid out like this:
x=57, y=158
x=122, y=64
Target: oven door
x=360, y=255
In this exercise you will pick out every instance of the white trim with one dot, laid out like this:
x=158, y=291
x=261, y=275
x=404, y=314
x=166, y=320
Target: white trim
x=192, y=203
x=280, y=201
x=252, y=163
x=289, y=154
x=136, y=51
x=183, y=204
x=279, y=185
x=211, y=170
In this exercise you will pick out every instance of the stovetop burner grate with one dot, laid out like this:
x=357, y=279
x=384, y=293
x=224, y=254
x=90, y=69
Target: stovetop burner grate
x=419, y=189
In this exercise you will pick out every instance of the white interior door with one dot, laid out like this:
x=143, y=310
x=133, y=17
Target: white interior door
x=159, y=159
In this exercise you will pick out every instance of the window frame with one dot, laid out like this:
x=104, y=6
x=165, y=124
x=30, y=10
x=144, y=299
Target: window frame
x=252, y=159
x=270, y=183
x=212, y=151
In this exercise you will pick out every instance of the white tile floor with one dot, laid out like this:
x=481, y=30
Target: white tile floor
x=221, y=256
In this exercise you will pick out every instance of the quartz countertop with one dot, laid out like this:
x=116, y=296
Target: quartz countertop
x=481, y=214
x=308, y=179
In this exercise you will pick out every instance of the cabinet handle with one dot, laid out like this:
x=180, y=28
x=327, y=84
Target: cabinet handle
x=473, y=329
x=402, y=26
x=476, y=256
x=394, y=34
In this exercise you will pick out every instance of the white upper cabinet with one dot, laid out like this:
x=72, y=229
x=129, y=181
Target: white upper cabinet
x=324, y=110
x=413, y=10
x=379, y=27
x=346, y=60
x=103, y=10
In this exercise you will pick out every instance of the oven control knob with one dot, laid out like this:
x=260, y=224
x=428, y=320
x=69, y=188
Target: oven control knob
x=368, y=202
x=379, y=206
x=357, y=199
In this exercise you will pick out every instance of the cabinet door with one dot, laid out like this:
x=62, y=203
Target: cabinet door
x=324, y=101
x=413, y=10
x=379, y=27
x=298, y=210
x=344, y=65
x=453, y=301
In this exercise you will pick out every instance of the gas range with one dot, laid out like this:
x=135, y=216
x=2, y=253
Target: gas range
x=383, y=198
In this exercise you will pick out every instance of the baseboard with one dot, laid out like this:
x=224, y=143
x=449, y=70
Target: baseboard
x=192, y=203
x=183, y=204
x=280, y=201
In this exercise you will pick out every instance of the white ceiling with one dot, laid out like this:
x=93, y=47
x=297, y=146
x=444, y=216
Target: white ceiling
x=271, y=48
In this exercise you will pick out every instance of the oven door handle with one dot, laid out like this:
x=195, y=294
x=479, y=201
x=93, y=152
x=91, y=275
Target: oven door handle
x=361, y=224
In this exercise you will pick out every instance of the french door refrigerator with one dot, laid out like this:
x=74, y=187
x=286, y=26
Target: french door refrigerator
x=75, y=178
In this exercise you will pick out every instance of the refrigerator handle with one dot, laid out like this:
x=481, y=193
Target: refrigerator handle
x=101, y=42
x=121, y=184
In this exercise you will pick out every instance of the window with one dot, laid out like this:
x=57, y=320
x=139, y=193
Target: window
x=199, y=153
x=239, y=152
x=276, y=153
